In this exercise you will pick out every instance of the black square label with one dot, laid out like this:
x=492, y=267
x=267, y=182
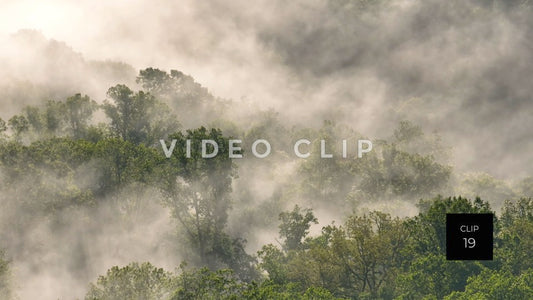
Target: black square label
x=469, y=236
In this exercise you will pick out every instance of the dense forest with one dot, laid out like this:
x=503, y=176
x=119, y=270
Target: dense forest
x=63, y=171
x=92, y=207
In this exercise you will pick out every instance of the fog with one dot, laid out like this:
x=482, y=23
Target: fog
x=460, y=69
x=368, y=66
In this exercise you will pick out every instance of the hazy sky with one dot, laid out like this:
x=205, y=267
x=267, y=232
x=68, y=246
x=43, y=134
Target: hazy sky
x=458, y=67
x=168, y=34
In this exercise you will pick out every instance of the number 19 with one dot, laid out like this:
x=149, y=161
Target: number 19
x=469, y=242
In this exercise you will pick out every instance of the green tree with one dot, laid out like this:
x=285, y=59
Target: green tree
x=274, y=262
x=78, y=112
x=369, y=248
x=293, y=229
x=515, y=240
x=326, y=180
x=56, y=118
x=492, y=284
x=138, y=117
x=121, y=163
x=179, y=89
x=427, y=273
x=295, y=226
x=359, y=259
x=268, y=290
x=411, y=165
x=154, y=81
x=431, y=276
x=49, y=169
x=35, y=119
x=3, y=126
x=53, y=117
x=411, y=138
x=514, y=211
x=224, y=284
x=45, y=121
x=197, y=190
x=193, y=104
x=206, y=284
x=18, y=124
x=3, y=129
x=134, y=281
x=429, y=226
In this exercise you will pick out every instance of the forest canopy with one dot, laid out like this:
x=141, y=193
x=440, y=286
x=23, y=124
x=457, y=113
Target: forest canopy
x=306, y=149
x=60, y=167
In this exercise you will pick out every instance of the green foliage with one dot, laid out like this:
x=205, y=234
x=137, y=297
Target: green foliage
x=327, y=180
x=3, y=125
x=56, y=118
x=180, y=89
x=516, y=236
x=223, y=284
x=44, y=174
x=375, y=256
x=274, y=262
x=427, y=271
x=369, y=249
x=359, y=258
x=205, y=284
x=192, y=103
x=197, y=191
x=19, y=125
x=120, y=163
x=148, y=282
x=413, y=174
x=153, y=80
x=517, y=211
x=411, y=138
x=295, y=226
x=431, y=275
x=78, y=113
x=430, y=224
x=268, y=290
x=407, y=131
x=411, y=167
x=491, y=284
x=138, y=117
x=134, y=281
x=54, y=158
